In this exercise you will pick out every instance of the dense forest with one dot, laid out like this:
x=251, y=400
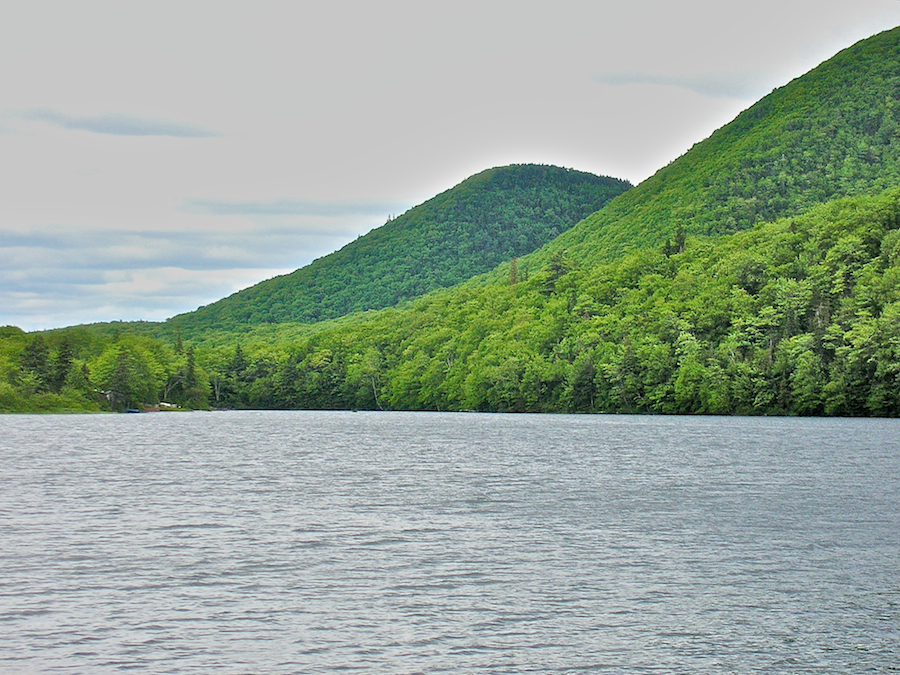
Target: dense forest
x=800, y=316
x=77, y=369
x=757, y=274
x=831, y=133
x=487, y=219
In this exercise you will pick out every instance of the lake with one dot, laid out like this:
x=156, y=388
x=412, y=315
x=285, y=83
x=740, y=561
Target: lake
x=372, y=542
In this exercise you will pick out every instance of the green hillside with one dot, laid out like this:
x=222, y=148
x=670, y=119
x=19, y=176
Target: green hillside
x=833, y=132
x=757, y=274
x=800, y=316
x=521, y=346
x=489, y=218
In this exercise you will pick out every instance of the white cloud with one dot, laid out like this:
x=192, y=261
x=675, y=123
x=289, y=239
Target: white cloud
x=66, y=249
x=57, y=276
x=127, y=295
x=118, y=124
x=294, y=207
x=742, y=86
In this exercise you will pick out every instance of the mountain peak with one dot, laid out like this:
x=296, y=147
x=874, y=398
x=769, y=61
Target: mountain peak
x=831, y=133
x=489, y=218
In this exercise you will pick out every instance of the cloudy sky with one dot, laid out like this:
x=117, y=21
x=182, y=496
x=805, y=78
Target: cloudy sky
x=158, y=156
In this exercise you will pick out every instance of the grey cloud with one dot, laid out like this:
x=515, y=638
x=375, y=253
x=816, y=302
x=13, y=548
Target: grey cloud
x=87, y=292
x=56, y=275
x=62, y=278
x=37, y=278
x=726, y=85
x=67, y=250
x=118, y=124
x=48, y=304
x=294, y=207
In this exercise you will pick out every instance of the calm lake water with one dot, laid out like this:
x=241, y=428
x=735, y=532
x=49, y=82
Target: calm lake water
x=313, y=542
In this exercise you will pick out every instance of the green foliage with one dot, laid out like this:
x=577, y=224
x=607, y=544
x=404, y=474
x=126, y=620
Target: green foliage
x=45, y=372
x=61, y=366
x=187, y=385
x=800, y=316
x=129, y=373
x=80, y=369
x=487, y=219
x=36, y=364
x=757, y=274
x=831, y=133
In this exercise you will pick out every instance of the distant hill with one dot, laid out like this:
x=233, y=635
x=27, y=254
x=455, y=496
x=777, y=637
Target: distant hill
x=831, y=133
x=487, y=219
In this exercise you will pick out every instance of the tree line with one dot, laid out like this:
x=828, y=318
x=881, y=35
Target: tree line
x=799, y=316
x=77, y=370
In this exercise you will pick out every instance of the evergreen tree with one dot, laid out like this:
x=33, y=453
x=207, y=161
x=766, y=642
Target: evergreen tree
x=61, y=364
x=35, y=361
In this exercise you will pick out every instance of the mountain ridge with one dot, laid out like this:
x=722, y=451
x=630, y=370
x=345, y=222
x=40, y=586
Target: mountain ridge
x=759, y=273
x=830, y=133
x=492, y=216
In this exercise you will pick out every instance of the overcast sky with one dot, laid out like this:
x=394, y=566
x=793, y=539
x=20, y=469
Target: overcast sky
x=158, y=156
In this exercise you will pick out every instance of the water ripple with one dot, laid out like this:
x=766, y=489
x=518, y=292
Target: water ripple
x=263, y=542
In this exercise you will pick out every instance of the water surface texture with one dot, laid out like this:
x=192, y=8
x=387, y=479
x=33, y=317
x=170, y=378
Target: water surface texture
x=322, y=542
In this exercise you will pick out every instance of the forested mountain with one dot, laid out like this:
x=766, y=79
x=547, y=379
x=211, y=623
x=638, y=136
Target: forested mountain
x=833, y=132
x=800, y=316
x=487, y=219
x=757, y=274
